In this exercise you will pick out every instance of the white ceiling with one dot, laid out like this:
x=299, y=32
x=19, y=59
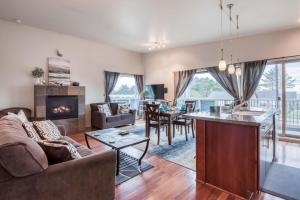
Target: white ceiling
x=132, y=24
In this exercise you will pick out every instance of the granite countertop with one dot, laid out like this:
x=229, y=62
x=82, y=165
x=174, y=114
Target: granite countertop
x=253, y=120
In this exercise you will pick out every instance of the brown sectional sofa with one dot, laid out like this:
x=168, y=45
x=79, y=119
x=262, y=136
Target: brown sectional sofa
x=101, y=121
x=26, y=175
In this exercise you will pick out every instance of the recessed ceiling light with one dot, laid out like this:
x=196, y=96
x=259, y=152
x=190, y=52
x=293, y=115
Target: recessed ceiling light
x=18, y=21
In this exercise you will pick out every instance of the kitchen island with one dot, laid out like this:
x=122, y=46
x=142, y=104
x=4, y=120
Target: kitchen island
x=234, y=151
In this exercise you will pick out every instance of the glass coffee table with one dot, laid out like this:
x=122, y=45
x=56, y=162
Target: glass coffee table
x=112, y=138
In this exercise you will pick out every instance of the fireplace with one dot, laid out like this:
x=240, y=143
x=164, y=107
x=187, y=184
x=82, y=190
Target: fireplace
x=61, y=107
x=64, y=105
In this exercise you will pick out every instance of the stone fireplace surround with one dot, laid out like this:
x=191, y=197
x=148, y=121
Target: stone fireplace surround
x=41, y=92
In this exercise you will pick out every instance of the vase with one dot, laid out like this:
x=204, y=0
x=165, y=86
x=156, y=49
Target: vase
x=38, y=81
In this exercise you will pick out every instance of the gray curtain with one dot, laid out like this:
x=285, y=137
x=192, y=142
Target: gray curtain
x=251, y=77
x=227, y=81
x=111, y=79
x=181, y=81
x=139, y=81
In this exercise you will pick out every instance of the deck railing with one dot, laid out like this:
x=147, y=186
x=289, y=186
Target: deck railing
x=292, y=106
x=133, y=101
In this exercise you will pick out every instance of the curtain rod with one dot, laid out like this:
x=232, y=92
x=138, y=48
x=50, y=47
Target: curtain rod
x=201, y=69
x=284, y=57
x=273, y=59
x=124, y=73
x=268, y=59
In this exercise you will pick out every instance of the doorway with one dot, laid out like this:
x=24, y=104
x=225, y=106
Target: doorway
x=279, y=88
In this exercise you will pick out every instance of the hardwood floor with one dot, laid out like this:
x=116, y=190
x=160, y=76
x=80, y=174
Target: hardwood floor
x=289, y=154
x=166, y=181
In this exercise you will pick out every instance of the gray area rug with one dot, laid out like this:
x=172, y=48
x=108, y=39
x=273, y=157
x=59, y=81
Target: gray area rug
x=129, y=168
x=283, y=181
x=181, y=152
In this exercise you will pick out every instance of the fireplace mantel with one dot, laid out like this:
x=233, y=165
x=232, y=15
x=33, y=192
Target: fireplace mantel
x=41, y=92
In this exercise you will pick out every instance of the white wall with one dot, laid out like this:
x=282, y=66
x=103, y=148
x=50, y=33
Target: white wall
x=23, y=47
x=159, y=66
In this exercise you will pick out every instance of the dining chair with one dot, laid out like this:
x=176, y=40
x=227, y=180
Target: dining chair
x=154, y=120
x=184, y=121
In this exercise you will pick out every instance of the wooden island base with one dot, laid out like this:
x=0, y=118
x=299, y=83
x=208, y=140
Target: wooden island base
x=227, y=156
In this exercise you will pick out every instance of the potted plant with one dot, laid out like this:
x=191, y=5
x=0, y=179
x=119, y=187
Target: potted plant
x=144, y=94
x=38, y=73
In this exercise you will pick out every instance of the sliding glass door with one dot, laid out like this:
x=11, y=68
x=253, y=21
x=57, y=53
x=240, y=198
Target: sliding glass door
x=279, y=88
x=291, y=98
x=268, y=94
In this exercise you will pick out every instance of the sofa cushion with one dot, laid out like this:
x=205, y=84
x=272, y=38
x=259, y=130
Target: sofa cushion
x=114, y=108
x=104, y=108
x=70, y=140
x=31, y=132
x=58, y=151
x=47, y=130
x=126, y=116
x=84, y=151
x=19, y=155
x=12, y=123
x=20, y=115
x=113, y=118
x=4, y=175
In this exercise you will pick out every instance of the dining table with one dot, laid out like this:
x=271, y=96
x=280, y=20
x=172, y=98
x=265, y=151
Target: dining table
x=170, y=115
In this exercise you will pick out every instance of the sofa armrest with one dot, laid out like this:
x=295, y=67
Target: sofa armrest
x=91, y=177
x=62, y=130
x=98, y=119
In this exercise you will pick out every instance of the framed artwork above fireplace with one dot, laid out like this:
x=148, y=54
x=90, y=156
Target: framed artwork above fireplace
x=59, y=72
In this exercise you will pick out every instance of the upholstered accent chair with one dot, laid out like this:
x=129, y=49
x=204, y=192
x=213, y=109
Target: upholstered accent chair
x=99, y=120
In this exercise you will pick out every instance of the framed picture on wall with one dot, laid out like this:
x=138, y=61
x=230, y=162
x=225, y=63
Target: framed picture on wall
x=58, y=71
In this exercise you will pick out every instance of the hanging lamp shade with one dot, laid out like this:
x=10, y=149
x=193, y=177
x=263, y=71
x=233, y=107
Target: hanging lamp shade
x=238, y=71
x=222, y=65
x=231, y=69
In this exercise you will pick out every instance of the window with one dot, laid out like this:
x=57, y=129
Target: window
x=126, y=91
x=207, y=91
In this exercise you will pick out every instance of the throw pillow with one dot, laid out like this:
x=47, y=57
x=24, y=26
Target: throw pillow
x=47, y=130
x=31, y=132
x=123, y=108
x=21, y=116
x=104, y=108
x=58, y=151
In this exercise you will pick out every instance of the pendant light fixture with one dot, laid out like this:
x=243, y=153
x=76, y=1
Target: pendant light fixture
x=238, y=70
x=222, y=62
x=231, y=67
